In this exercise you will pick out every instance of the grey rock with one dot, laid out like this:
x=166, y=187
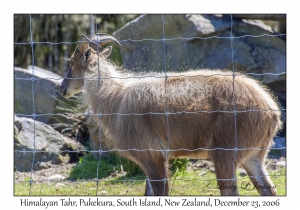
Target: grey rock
x=56, y=177
x=202, y=173
x=36, y=142
x=281, y=164
x=44, y=165
x=38, y=97
x=280, y=144
x=188, y=45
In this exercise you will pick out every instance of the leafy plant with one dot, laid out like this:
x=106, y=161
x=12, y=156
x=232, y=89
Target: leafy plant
x=71, y=119
x=178, y=166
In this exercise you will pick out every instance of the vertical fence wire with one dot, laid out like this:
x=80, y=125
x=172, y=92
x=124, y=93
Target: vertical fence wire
x=33, y=104
x=234, y=109
x=167, y=103
x=99, y=108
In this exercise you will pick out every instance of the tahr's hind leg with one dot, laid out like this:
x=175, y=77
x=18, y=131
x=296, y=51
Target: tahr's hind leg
x=157, y=174
x=155, y=166
x=254, y=165
x=225, y=168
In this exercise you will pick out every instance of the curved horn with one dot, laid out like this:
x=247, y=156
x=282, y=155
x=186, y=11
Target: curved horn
x=102, y=39
x=99, y=39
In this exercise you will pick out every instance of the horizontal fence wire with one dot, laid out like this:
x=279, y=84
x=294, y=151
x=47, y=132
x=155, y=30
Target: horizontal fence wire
x=149, y=76
x=155, y=150
x=163, y=75
x=154, y=113
x=166, y=39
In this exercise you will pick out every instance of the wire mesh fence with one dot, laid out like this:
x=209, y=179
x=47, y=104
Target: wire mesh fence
x=164, y=75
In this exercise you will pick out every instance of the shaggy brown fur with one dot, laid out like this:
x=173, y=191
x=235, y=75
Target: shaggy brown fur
x=200, y=119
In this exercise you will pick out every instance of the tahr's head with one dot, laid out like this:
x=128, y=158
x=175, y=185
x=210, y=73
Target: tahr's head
x=86, y=53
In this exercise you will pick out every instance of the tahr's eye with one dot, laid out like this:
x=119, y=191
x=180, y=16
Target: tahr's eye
x=71, y=63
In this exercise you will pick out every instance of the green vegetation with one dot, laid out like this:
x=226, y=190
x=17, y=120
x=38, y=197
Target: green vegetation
x=188, y=182
x=88, y=167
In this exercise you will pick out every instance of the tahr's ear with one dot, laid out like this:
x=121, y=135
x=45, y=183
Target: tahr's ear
x=106, y=52
x=87, y=54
